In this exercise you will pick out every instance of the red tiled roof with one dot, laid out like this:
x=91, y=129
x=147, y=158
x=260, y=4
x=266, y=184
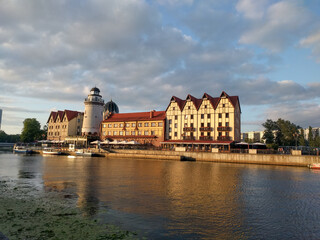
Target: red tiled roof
x=70, y=115
x=196, y=102
x=179, y=101
x=139, y=116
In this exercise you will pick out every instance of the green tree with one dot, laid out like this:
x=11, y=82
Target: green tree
x=8, y=137
x=310, y=137
x=31, y=130
x=268, y=135
x=302, y=140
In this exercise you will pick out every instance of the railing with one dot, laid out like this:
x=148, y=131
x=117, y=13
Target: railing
x=224, y=128
x=189, y=138
x=224, y=138
x=189, y=129
x=206, y=129
x=205, y=138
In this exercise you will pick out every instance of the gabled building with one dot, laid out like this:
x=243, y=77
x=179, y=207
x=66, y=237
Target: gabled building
x=62, y=124
x=207, y=120
x=142, y=127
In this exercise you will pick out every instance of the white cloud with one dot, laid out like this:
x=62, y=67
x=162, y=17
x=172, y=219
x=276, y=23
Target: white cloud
x=313, y=42
x=281, y=25
x=252, y=9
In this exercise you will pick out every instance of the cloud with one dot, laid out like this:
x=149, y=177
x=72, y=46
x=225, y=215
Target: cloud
x=280, y=25
x=252, y=9
x=313, y=41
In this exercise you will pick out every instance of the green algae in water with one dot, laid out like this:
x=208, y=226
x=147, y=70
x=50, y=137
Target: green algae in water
x=26, y=215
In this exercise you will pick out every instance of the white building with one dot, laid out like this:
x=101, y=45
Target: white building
x=93, y=113
x=254, y=136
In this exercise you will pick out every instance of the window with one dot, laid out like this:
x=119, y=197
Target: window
x=78, y=120
x=202, y=124
x=176, y=117
x=127, y=133
x=146, y=124
x=227, y=124
x=220, y=124
x=121, y=125
x=160, y=124
x=133, y=124
x=140, y=124
x=115, y=132
x=186, y=125
x=227, y=115
x=227, y=134
x=120, y=133
x=175, y=125
x=208, y=125
x=189, y=107
x=220, y=115
x=223, y=105
x=175, y=134
x=208, y=134
x=109, y=125
x=208, y=116
x=186, y=117
x=109, y=132
x=202, y=116
x=153, y=124
x=220, y=134
x=104, y=125
x=153, y=133
x=173, y=108
x=205, y=106
x=170, y=121
x=133, y=133
x=146, y=132
x=170, y=130
x=115, y=125
x=139, y=133
x=127, y=124
x=202, y=133
x=191, y=116
x=191, y=125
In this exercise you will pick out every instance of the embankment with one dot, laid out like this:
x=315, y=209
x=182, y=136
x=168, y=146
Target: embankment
x=266, y=159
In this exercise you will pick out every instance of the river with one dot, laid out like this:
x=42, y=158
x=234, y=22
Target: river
x=162, y=199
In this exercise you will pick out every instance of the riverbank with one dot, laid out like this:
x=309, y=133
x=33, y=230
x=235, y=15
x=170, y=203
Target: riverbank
x=243, y=158
x=27, y=212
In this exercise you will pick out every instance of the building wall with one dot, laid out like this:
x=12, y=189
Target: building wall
x=59, y=129
x=141, y=131
x=204, y=123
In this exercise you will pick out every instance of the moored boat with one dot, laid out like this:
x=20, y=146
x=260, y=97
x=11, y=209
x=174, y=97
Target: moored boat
x=82, y=152
x=51, y=151
x=22, y=149
x=314, y=166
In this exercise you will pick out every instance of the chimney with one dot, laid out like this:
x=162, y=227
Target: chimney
x=151, y=113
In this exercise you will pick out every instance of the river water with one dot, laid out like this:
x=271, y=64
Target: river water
x=182, y=200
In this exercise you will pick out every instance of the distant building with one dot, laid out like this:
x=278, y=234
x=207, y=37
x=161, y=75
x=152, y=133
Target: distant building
x=143, y=127
x=253, y=136
x=315, y=131
x=62, y=124
x=0, y=117
x=205, y=121
x=109, y=108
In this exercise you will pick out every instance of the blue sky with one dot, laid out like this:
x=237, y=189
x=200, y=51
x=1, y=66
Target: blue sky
x=140, y=53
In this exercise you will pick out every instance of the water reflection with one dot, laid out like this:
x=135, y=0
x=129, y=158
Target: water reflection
x=188, y=200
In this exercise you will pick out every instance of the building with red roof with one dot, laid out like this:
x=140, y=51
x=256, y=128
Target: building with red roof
x=62, y=124
x=142, y=127
x=204, y=121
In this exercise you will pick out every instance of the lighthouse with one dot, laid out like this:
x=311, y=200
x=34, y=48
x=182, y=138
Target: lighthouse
x=93, y=113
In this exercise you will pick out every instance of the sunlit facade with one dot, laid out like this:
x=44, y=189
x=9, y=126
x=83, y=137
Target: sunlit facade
x=208, y=119
x=142, y=127
x=62, y=124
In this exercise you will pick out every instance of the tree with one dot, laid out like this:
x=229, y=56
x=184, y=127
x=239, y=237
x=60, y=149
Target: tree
x=268, y=135
x=302, y=140
x=9, y=137
x=310, y=137
x=31, y=130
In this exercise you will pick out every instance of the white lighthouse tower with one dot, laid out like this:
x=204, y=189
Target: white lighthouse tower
x=93, y=113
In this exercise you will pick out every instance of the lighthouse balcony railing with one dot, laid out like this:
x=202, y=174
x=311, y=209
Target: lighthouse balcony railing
x=94, y=100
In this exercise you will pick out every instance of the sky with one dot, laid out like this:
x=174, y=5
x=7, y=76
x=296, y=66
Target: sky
x=140, y=53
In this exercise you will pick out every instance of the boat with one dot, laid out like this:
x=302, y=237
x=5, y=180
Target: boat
x=51, y=151
x=21, y=149
x=82, y=152
x=314, y=166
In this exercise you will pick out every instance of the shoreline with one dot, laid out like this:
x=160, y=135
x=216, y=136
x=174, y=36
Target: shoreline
x=31, y=213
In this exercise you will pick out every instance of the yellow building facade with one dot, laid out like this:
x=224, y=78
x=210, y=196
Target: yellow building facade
x=62, y=124
x=210, y=119
x=143, y=127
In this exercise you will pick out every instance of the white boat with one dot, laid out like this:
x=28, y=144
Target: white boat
x=51, y=151
x=21, y=149
x=314, y=166
x=82, y=152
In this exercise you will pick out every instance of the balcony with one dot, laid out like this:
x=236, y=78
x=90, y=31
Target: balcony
x=189, y=129
x=224, y=129
x=206, y=129
x=224, y=138
x=205, y=138
x=189, y=138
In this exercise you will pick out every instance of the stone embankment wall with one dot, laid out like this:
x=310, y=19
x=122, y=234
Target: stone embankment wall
x=267, y=159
